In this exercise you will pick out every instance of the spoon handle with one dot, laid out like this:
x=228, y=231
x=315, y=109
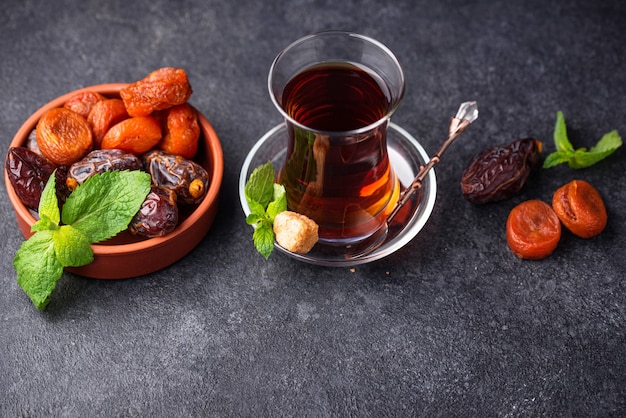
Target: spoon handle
x=467, y=113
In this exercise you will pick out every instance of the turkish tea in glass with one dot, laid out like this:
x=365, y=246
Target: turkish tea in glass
x=337, y=108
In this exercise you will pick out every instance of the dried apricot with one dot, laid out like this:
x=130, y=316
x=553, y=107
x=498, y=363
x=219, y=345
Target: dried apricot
x=181, y=131
x=533, y=230
x=135, y=135
x=161, y=89
x=63, y=136
x=103, y=115
x=83, y=102
x=581, y=208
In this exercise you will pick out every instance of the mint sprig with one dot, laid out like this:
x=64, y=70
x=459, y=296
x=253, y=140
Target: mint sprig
x=581, y=157
x=98, y=209
x=266, y=199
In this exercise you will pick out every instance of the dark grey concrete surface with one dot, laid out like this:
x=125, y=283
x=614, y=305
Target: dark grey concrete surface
x=451, y=325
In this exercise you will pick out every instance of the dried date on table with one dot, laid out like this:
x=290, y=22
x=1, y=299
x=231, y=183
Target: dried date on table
x=500, y=172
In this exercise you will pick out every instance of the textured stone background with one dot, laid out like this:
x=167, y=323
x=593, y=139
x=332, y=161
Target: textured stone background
x=451, y=325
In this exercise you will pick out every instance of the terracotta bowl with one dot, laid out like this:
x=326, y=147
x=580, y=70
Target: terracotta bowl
x=125, y=255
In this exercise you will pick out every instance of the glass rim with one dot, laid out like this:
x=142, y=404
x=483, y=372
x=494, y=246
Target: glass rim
x=370, y=40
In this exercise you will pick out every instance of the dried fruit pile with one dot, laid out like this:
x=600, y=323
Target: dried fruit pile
x=533, y=227
x=149, y=127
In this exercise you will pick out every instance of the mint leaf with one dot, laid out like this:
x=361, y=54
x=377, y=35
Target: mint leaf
x=44, y=224
x=263, y=238
x=266, y=199
x=255, y=218
x=581, y=157
x=38, y=269
x=105, y=204
x=256, y=208
x=48, y=202
x=260, y=186
x=560, y=135
x=49, y=212
x=72, y=248
x=278, y=203
x=556, y=158
x=608, y=143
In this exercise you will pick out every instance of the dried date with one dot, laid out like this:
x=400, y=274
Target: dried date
x=63, y=192
x=99, y=161
x=28, y=172
x=500, y=172
x=188, y=179
x=158, y=214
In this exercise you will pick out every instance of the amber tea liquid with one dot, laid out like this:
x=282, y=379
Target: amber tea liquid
x=340, y=178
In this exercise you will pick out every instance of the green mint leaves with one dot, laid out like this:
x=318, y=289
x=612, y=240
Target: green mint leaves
x=97, y=210
x=581, y=157
x=266, y=199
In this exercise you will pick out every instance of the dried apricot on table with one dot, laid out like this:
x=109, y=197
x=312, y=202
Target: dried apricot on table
x=581, y=208
x=63, y=136
x=103, y=115
x=135, y=135
x=161, y=89
x=533, y=230
x=82, y=102
x=181, y=131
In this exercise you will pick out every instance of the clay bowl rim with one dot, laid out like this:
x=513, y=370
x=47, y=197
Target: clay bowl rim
x=216, y=160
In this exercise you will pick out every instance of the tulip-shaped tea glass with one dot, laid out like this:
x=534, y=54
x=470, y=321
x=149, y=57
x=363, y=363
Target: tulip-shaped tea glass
x=337, y=92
